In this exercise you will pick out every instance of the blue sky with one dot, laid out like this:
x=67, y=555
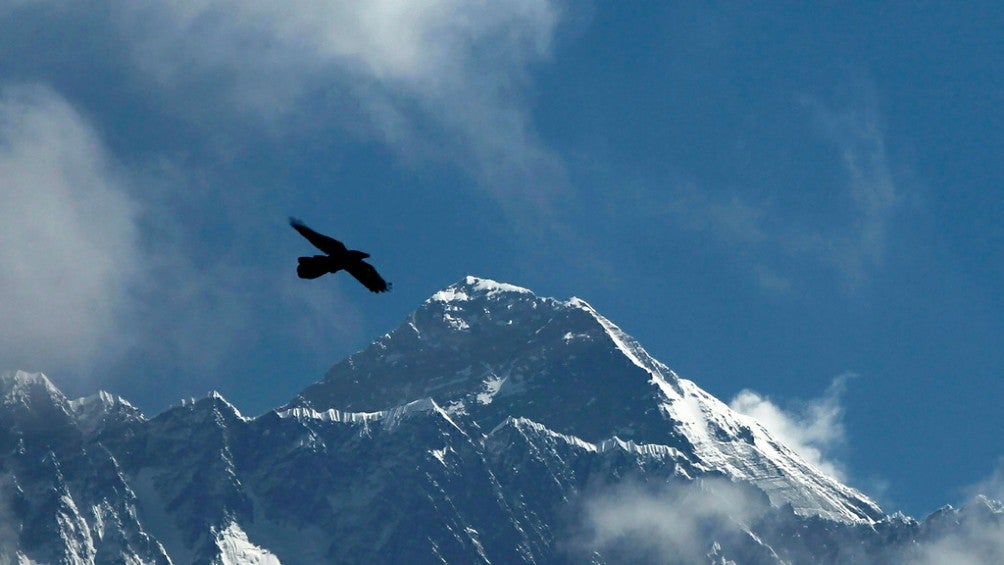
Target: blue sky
x=799, y=208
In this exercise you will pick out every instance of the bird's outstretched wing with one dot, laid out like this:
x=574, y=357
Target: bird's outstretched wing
x=366, y=274
x=329, y=245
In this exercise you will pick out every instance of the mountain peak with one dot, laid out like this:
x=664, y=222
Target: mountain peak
x=98, y=412
x=491, y=351
x=471, y=287
x=215, y=402
x=22, y=387
x=11, y=381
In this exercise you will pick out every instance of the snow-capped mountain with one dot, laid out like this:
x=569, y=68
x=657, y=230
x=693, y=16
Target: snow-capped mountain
x=490, y=426
x=496, y=351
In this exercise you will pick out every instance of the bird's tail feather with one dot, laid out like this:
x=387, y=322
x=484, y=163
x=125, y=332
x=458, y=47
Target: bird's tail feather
x=311, y=267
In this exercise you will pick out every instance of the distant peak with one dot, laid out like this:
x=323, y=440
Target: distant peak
x=32, y=390
x=214, y=398
x=24, y=377
x=471, y=287
x=11, y=381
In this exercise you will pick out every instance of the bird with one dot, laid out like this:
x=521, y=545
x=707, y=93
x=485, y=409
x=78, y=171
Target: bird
x=337, y=257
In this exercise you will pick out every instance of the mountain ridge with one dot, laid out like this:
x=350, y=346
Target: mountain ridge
x=519, y=409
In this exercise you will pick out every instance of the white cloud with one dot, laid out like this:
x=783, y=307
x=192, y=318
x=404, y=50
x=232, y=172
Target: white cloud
x=426, y=44
x=69, y=242
x=437, y=79
x=813, y=429
x=629, y=522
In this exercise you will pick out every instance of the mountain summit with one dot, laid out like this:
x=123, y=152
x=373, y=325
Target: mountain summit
x=493, y=350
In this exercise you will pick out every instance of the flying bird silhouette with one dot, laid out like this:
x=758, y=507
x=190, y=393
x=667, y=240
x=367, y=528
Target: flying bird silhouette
x=338, y=257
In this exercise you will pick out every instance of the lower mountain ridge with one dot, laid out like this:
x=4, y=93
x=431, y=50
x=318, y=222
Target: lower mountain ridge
x=493, y=425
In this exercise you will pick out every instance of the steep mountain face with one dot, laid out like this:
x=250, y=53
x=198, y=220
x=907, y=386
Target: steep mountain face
x=64, y=499
x=492, y=426
x=495, y=351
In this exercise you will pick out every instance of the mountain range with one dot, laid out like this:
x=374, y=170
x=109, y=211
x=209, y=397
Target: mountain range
x=492, y=425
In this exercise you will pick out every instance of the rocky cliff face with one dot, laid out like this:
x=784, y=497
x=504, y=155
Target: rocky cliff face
x=492, y=426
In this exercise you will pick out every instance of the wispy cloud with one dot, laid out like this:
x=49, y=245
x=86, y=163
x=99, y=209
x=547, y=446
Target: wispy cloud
x=858, y=136
x=439, y=80
x=771, y=242
x=69, y=234
x=813, y=429
x=631, y=522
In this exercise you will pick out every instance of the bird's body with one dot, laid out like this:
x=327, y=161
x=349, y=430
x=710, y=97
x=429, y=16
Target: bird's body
x=338, y=258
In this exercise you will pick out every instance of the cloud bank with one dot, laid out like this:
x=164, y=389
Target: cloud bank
x=69, y=235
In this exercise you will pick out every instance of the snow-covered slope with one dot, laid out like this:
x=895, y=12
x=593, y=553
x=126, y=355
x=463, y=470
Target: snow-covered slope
x=494, y=351
x=479, y=431
x=62, y=499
